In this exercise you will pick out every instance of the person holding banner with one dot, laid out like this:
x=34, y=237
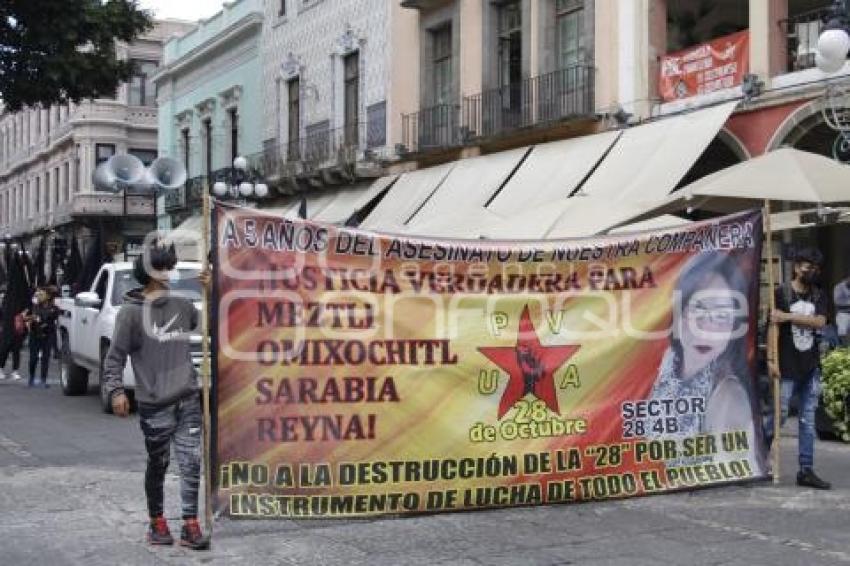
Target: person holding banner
x=800, y=313
x=153, y=328
x=707, y=358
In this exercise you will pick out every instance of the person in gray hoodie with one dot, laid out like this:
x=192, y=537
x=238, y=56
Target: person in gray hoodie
x=153, y=328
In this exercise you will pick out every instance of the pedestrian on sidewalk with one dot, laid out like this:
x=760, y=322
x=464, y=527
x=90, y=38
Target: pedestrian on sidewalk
x=153, y=328
x=13, y=338
x=16, y=301
x=841, y=297
x=42, y=326
x=800, y=312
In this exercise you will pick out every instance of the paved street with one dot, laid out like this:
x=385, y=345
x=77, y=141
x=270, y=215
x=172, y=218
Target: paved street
x=71, y=493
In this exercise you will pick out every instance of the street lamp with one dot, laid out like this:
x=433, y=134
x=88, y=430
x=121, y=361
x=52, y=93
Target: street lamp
x=834, y=41
x=239, y=182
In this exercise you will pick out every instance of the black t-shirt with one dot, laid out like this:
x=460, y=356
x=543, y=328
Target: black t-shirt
x=799, y=352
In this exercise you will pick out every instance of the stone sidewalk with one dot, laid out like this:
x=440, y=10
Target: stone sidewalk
x=71, y=492
x=84, y=515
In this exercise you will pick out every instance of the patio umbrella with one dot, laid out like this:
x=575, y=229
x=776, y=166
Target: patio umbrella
x=785, y=175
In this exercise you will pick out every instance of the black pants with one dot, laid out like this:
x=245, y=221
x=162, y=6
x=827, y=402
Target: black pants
x=38, y=345
x=180, y=424
x=11, y=346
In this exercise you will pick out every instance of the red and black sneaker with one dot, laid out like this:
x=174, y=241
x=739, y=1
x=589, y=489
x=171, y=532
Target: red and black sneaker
x=191, y=536
x=158, y=532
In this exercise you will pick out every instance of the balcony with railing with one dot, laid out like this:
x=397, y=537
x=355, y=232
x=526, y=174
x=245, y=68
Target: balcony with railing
x=802, y=31
x=86, y=205
x=107, y=204
x=537, y=102
x=322, y=157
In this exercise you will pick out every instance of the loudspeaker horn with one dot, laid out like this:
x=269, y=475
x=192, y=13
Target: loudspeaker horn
x=103, y=178
x=119, y=172
x=167, y=173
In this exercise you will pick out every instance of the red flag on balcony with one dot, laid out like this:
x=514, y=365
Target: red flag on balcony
x=709, y=67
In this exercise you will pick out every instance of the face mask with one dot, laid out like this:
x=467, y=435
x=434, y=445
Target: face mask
x=807, y=278
x=35, y=300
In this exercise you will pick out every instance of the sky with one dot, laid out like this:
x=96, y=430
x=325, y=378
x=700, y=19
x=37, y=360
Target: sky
x=191, y=10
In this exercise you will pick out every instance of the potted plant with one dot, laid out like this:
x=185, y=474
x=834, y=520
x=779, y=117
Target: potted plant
x=835, y=380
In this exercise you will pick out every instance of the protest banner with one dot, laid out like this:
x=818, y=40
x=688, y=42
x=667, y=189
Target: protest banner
x=360, y=374
x=702, y=69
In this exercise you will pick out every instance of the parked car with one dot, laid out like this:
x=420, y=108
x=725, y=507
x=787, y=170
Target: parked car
x=87, y=321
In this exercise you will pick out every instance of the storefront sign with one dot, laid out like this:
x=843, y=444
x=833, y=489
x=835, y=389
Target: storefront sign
x=363, y=374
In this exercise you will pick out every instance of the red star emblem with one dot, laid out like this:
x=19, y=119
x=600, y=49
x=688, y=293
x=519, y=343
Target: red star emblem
x=530, y=365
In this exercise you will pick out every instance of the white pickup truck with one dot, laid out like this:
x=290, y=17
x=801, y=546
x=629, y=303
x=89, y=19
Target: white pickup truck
x=86, y=323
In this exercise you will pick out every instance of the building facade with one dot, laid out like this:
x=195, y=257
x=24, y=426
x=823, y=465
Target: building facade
x=210, y=101
x=646, y=96
x=500, y=74
x=337, y=79
x=48, y=155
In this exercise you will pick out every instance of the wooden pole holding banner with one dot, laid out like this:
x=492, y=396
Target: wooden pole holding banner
x=205, y=357
x=772, y=342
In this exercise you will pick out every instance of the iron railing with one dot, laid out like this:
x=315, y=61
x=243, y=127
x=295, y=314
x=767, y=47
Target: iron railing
x=432, y=128
x=318, y=149
x=535, y=102
x=802, y=32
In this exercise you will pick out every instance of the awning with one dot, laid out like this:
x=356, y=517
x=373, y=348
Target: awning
x=467, y=224
x=332, y=206
x=469, y=185
x=551, y=171
x=289, y=209
x=586, y=216
x=405, y=197
x=648, y=161
x=563, y=218
x=527, y=224
x=348, y=200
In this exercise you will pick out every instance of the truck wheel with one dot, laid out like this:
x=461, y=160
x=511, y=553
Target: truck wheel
x=73, y=378
x=105, y=401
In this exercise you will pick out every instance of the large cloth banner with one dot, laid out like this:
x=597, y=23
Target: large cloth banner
x=716, y=65
x=359, y=373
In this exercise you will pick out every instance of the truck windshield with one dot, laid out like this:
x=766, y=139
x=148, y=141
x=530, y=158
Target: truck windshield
x=124, y=281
